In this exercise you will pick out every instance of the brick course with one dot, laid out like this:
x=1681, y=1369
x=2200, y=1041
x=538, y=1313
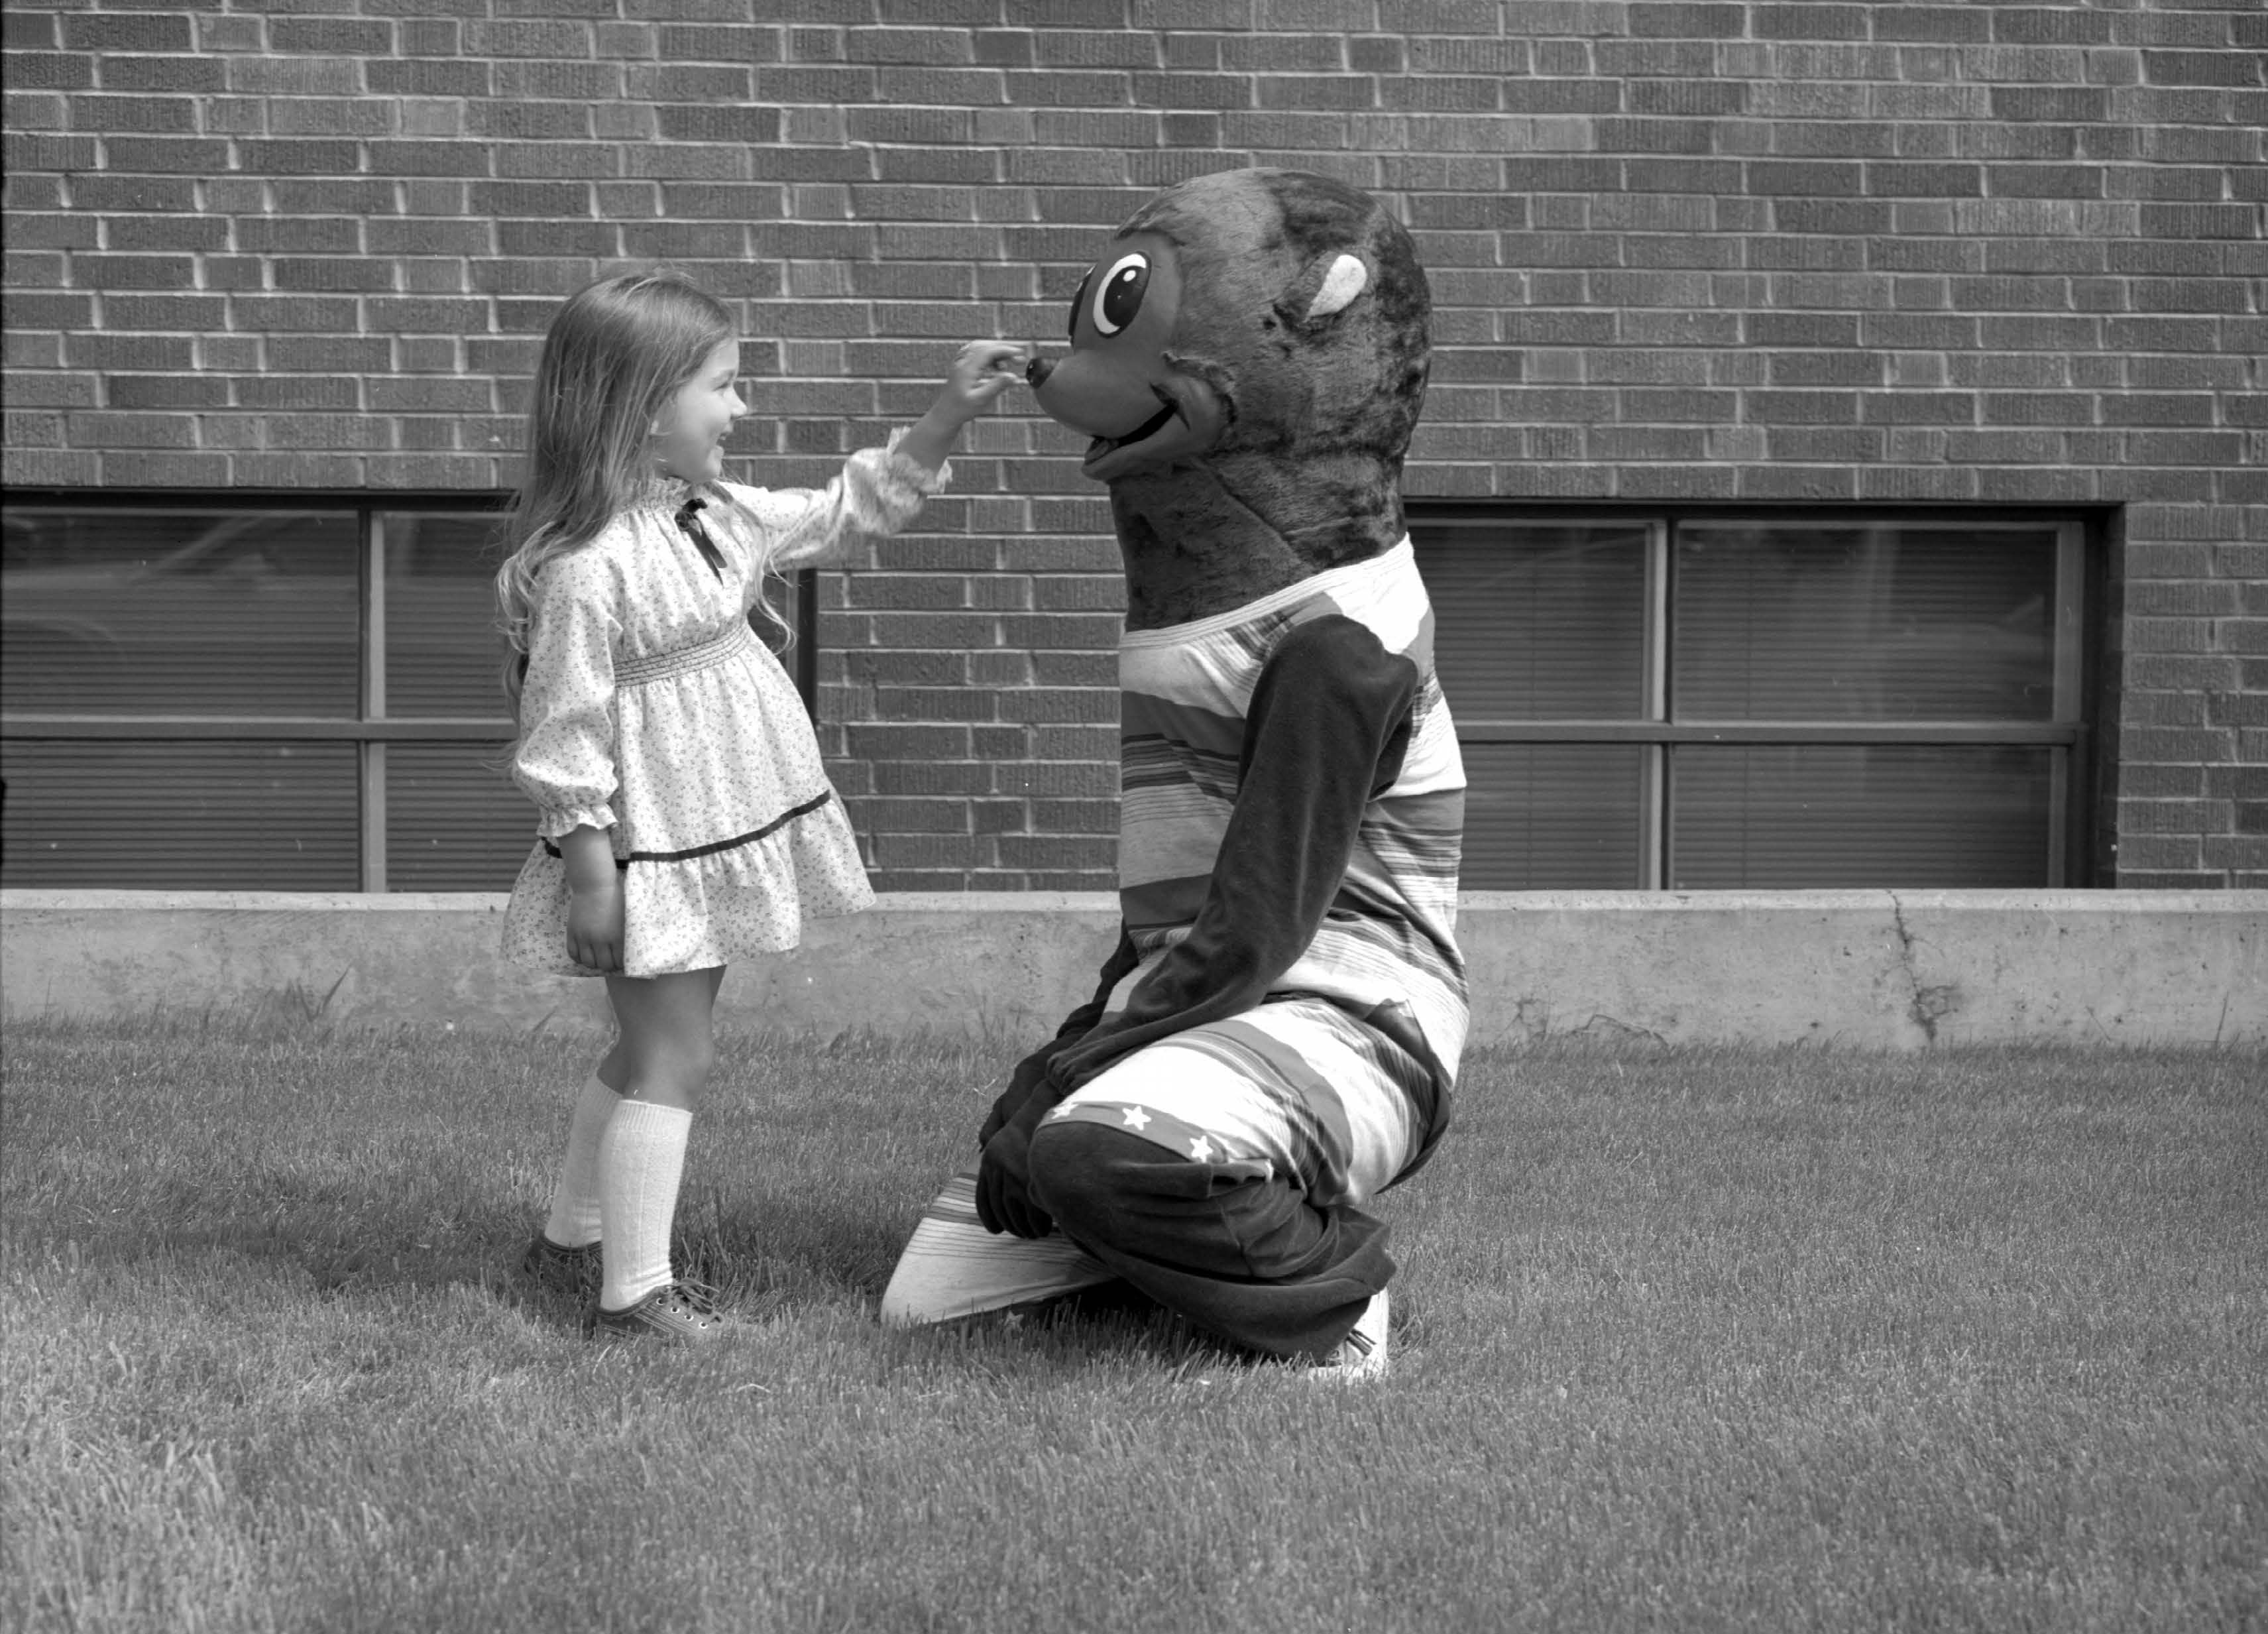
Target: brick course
x=1688, y=251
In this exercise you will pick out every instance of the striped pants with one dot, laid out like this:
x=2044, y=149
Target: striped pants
x=1218, y=1171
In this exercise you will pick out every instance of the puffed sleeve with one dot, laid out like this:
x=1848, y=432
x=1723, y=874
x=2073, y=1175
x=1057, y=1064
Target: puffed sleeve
x=564, y=761
x=879, y=491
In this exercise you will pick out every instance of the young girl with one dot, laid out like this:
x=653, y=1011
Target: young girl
x=685, y=820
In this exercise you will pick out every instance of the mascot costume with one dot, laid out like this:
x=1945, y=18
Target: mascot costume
x=1275, y=1039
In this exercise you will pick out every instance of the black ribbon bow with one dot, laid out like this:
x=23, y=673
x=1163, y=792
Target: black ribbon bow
x=689, y=521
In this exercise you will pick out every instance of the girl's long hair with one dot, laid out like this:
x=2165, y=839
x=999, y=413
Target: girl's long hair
x=613, y=358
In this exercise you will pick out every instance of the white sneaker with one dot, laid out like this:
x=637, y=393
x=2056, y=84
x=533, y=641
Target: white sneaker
x=1362, y=1355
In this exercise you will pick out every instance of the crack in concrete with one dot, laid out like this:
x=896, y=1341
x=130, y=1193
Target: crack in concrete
x=1928, y=1004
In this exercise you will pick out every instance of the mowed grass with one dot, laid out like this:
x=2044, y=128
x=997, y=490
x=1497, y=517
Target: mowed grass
x=1689, y=1339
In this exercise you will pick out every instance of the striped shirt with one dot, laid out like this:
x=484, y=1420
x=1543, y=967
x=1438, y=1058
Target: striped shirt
x=1290, y=817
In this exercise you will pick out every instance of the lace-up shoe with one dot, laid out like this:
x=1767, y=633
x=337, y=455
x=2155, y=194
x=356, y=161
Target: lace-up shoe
x=683, y=1312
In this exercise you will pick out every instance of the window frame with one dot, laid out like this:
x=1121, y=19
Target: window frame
x=2069, y=735
x=370, y=728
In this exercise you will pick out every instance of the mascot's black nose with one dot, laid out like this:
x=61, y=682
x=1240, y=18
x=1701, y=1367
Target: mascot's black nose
x=1036, y=372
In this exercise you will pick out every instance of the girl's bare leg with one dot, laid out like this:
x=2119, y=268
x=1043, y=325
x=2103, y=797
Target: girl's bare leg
x=666, y=1042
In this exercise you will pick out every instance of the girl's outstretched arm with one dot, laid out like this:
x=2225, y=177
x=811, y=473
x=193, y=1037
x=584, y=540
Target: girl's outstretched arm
x=880, y=489
x=984, y=370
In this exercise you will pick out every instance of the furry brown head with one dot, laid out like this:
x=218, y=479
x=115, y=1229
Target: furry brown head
x=1250, y=355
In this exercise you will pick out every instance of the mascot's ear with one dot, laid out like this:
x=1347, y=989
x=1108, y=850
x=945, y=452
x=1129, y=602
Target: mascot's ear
x=1345, y=280
x=1326, y=287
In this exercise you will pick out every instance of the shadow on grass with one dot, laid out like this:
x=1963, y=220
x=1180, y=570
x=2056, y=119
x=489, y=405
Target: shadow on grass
x=1111, y=1327
x=358, y=1242
x=378, y=1160
x=360, y=1245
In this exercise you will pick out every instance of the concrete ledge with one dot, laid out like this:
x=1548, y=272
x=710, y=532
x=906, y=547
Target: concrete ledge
x=1879, y=969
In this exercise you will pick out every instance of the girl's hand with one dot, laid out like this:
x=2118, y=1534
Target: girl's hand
x=984, y=370
x=594, y=899
x=594, y=925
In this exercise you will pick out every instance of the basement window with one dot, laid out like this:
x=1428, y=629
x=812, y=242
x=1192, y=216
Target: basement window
x=204, y=692
x=1701, y=701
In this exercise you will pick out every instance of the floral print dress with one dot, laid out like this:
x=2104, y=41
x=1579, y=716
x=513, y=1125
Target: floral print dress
x=650, y=709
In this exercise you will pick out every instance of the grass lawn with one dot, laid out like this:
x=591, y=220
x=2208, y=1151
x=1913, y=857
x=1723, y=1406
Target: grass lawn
x=1691, y=1339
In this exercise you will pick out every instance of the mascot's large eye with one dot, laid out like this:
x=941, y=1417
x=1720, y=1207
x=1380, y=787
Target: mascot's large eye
x=1120, y=298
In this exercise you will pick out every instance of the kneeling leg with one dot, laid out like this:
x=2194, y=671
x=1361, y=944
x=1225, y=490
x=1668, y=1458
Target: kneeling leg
x=1234, y=1247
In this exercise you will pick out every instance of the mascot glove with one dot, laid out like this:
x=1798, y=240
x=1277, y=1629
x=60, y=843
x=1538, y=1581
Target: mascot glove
x=1004, y=1177
x=1030, y=1077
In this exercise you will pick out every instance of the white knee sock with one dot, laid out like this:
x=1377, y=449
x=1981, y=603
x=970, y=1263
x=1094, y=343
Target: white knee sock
x=641, y=1160
x=574, y=1219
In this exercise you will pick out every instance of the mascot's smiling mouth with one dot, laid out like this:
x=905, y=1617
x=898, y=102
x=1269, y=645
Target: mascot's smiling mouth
x=1190, y=422
x=1104, y=447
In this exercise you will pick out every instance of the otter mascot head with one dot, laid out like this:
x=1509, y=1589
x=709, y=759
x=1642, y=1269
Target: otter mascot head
x=1250, y=355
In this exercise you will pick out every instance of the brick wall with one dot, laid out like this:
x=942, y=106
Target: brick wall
x=1819, y=251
